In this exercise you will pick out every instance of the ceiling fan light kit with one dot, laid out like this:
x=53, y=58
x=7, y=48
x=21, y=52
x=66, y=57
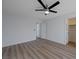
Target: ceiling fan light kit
x=47, y=12
x=46, y=8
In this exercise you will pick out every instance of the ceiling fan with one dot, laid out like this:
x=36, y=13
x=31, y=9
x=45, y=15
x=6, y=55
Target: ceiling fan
x=46, y=8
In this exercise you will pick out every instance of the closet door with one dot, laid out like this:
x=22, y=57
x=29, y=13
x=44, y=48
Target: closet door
x=43, y=30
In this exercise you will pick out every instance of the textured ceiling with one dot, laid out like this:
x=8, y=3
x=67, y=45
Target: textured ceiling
x=27, y=8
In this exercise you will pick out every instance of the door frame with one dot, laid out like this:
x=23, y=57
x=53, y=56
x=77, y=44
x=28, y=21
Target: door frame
x=67, y=29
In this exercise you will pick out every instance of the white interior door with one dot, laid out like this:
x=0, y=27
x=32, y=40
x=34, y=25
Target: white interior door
x=43, y=30
x=37, y=30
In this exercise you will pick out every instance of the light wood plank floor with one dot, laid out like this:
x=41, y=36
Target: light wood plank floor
x=39, y=49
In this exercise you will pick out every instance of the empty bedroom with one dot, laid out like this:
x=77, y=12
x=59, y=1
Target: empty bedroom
x=38, y=29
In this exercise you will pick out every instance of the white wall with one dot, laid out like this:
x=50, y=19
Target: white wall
x=57, y=28
x=18, y=30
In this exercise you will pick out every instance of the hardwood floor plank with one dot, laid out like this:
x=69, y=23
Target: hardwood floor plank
x=13, y=52
x=39, y=49
x=41, y=52
x=40, y=56
x=4, y=51
x=19, y=52
x=60, y=50
x=45, y=52
x=6, y=54
x=24, y=52
x=55, y=56
x=31, y=52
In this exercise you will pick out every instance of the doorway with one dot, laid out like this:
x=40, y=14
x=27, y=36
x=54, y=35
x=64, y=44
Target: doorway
x=38, y=31
x=72, y=32
x=41, y=30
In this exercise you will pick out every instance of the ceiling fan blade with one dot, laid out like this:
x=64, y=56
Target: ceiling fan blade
x=56, y=3
x=40, y=10
x=52, y=11
x=42, y=4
